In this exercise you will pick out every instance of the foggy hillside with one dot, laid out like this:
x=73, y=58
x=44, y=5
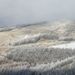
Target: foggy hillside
x=38, y=49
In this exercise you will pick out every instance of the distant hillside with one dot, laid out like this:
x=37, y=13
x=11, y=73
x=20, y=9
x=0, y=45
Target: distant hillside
x=35, y=47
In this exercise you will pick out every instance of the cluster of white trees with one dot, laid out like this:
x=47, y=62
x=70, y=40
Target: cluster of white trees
x=33, y=54
x=34, y=38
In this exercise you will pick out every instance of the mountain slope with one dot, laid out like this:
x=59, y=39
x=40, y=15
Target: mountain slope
x=32, y=47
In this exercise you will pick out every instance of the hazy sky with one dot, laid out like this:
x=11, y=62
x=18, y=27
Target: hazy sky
x=30, y=11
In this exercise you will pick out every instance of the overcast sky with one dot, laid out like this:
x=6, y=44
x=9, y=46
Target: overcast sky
x=30, y=11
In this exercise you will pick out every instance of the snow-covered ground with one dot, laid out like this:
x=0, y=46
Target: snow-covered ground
x=70, y=45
